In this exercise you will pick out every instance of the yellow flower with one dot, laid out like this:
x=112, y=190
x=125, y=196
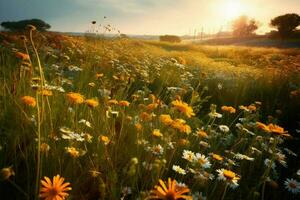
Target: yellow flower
x=28, y=100
x=124, y=103
x=75, y=98
x=157, y=133
x=104, y=139
x=183, y=107
x=229, y=109
x=112, y=102
x=183, y=142
x=217, y=157
x=7, y=172
x=92, y=103
x=166, y=119
x=45, y=147
x=181, y=125
x=56, y=190
x=170, y=191
x=99, y=75
x=92, y=84
x=73, y=152
x=45, y=92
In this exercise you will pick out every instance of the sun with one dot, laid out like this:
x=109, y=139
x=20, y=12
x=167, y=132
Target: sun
x=232, y=8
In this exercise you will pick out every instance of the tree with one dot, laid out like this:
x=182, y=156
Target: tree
x=286, y=24
x=244, y=27
x=21, y=25
x=170, y=38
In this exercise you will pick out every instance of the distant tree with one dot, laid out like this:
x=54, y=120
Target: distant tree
x=170, y=38
x=286, y=24
x=21, y=25
x=244, y=27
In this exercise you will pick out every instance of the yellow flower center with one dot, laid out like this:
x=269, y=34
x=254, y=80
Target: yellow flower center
x=229, y=174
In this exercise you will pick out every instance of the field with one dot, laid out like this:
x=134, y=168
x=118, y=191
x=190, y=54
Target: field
x=118, y=117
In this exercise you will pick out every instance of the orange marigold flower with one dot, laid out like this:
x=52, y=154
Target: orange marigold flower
x=104, y=139
x=252, y=108
x=170, y=191
x=278, y=130
x=92, y=103
x=23, y=56
x=272, y=128
x=151, y=107
x=75, y=98
x=55, y=190
x=124, y=103
x=28, y=100
x=183, y=107
x=229, y=109
x=262, y=126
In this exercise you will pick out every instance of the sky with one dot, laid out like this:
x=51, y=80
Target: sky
x=152, y=17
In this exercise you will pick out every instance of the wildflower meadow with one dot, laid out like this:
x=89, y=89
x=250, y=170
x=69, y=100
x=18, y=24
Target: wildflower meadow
x=85, y=117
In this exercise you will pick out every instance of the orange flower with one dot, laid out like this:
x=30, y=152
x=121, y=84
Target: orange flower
x=22, y=56
x=170, y=191
x=56, y=190
x=229, y=109
x=146, y=116
x=151, y=107
x=201, y=133
x=183, y=107
x=272, y=128
x=28, y=100
x=138, y=126
x=75, y=98
x=92, y=103
x=104, y=139
x=278, y=130
x=124, y=103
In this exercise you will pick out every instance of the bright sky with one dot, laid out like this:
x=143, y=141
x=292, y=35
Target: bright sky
x=146, y=16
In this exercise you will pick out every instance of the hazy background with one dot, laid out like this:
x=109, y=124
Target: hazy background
x=147, y=16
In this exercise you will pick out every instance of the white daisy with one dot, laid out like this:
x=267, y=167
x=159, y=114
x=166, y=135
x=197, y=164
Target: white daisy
x=224, y=128
x=188, y=155
x=229, y=177
x=292, y=185
x=202, y=160
x=178, y=169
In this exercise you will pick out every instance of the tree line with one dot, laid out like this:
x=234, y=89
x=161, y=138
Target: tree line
x=286, y=26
